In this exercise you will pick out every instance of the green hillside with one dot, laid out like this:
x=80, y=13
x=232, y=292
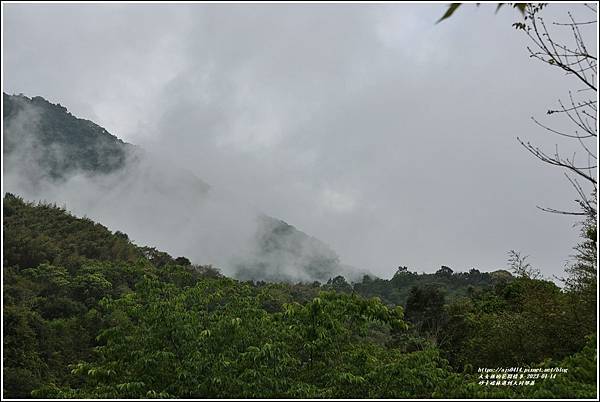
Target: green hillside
x=88, y=314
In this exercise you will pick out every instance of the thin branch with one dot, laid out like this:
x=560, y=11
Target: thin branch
x=560, y=133
x=557, y=161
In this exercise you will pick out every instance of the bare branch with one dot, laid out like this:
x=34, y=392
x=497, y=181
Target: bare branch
x=581, y=114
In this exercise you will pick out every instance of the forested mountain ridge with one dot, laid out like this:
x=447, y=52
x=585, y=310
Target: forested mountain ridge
x=43, y=140
x=61, y=142
x=89, y=314
x=50, y=154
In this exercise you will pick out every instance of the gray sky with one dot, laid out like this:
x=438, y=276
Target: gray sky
x=388, y=137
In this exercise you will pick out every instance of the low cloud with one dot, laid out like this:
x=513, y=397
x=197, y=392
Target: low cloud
x=388, y=137
x=163, y=205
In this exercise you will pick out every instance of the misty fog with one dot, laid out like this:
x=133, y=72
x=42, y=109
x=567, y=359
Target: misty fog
x=160, y=204
x=389, y=138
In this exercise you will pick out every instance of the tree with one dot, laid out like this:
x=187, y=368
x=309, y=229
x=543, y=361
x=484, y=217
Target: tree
x=183, y=261
x=339, y=284
x=583, y=270
x=444, y=271
x=520, y=267
x=581, y=281
x=577, y=60
x=425, y=308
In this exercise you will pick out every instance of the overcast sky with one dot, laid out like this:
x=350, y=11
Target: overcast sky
x=389, y=137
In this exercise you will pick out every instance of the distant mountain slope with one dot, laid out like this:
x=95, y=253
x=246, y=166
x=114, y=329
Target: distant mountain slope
x=285, y=252
x=58, y=141
x=51, y=155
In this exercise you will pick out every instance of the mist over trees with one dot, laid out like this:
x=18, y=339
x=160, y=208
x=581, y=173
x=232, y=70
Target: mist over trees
x=54, y=156
x=127, y=276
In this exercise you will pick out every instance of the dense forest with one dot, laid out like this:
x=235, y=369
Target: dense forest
x=89, y=314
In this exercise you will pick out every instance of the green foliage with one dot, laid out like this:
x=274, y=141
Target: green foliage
x=451, y=9
x=583, y=271
x=454, y=6
x=579, y=381
x=521, y=323
x=396, y=291
x=57, y=269
x=339, y=284
x=214, y=339
x=44, y=233
x=88, y=314
x=425, y=308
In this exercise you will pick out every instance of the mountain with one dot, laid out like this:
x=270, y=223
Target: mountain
x=58, y=142
x=285, y=252
x=52, y=155
x=57, y=145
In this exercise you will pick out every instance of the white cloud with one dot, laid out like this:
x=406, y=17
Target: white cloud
x=289, y=106
x=336, y=201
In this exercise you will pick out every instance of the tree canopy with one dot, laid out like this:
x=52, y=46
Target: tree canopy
x=89, y=314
